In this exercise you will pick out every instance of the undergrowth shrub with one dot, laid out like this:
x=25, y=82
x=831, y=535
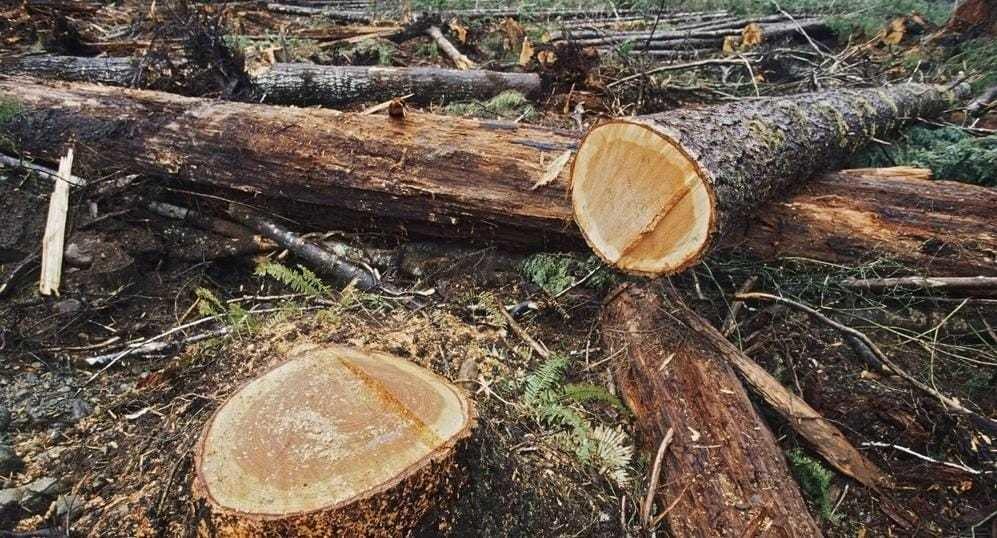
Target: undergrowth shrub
x=815, y=481
x=949, y=152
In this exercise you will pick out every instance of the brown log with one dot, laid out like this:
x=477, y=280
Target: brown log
x=451, y=177
x=334, y=442
x=652, y=195
x=437, y=174
x=726, y=476
x=941, y=228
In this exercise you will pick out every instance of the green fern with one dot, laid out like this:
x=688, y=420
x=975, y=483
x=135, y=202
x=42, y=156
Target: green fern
x=208, y=304
x=301, y=279
x=554, y=403
x=815, y=481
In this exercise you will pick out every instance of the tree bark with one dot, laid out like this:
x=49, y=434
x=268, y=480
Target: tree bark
x=726, y=476
x=448, y=48
x=306, y=84
x=102, y=70
x=653, y=195
x=769, y=32
x=938, y=228
x=334, y=442
x=438, y=175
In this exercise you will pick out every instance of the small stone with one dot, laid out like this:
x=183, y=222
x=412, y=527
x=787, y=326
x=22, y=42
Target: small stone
x=10, y=496
x=67, y=306
x=66, y=506
x=75, y=256
x=468, y=373
x=79, y=409
x=9, y=461
x=38, y=495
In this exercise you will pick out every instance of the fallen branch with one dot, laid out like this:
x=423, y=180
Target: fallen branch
x=906, y=450
x=947, y=402
x=322, y=260
x=458, y=58
x=954, y=284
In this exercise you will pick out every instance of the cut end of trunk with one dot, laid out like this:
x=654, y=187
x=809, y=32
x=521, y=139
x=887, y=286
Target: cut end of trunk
x=642, y=203
x=328, y=430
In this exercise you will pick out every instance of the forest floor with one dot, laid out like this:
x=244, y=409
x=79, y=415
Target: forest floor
x=105, y=449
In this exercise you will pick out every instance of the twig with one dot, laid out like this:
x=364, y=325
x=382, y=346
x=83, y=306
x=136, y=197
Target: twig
x=520, y=332
x=652, y=486
x=906, y=450
x=974, y=283
x=946, y=401
x=44, y=172
x=730, y=323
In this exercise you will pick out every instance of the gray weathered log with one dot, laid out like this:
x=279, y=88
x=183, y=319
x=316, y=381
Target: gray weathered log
x=771, y=31
x=306, y=84
x=114, y=71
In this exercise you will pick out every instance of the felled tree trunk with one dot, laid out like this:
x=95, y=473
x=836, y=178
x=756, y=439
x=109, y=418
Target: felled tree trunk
x=726, y=476
x=304, y=84
x=940, y=228
x=436, y=174
x=769, y=32
x=334, y=442
x=328, y=85
x=652, y=195
x=103, y=70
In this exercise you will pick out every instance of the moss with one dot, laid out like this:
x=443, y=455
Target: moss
x=509, y=104
x=771, y=136
x=949, y=152
x=9, y=110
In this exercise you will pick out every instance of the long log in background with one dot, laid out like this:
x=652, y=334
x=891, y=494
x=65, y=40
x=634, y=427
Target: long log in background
x=451, y=177
x=724, y=471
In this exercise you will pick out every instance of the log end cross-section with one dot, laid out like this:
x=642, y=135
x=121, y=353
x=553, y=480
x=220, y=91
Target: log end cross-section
x=640, y=200
x=336, y=441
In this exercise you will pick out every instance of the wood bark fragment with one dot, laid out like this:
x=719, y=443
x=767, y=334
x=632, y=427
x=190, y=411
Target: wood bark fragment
x=725, y=475
x=334, y=442
x=653, y=195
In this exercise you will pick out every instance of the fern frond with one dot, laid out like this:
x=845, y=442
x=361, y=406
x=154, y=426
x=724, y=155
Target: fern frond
x=207, y=303
x=300, y=280
x=613, y=452
x=545, y=377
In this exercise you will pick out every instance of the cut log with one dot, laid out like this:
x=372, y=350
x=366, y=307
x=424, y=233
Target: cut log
x=726, y=476
x=439, y=175
x=334, y=442
x=456, y=178
x=652, y=195
x=305, y=84
x=103, y=70
x=941, y=228
x=769, y=31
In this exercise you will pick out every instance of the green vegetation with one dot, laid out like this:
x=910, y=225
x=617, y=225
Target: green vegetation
x=233, y=315
x=557, y=272
x=557, y=404
x=949, y=152
x=301, y=280
x=509, y=104
x=976, y=58
x=373, y=51
x=815, y=481
x=9, y=109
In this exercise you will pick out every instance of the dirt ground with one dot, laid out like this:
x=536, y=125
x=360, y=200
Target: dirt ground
x=105, y=450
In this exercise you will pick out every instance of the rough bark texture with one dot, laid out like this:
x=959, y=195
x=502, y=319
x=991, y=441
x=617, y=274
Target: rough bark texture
x=973, y=17
x=114, y=71
x=772, y=143
x=813, y=27
x=440, y=175
x=939, y=228
x=306, y=84
x=724, y=471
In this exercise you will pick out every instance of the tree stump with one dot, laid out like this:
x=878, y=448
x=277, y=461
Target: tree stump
x=334, y=442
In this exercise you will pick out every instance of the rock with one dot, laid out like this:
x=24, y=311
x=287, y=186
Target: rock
x=38, y=495
x=9, y=461
x=76, y=256
x=66, y=506
x=79, y=409
x=67, y=306
x=10, y=496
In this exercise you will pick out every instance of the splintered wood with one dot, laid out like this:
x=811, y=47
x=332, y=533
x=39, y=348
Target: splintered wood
x=53, y=242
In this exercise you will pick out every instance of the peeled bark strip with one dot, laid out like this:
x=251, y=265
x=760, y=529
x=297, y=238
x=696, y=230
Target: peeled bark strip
x=940, y=228
x=652, y=195
x=305, y=84
x=725, y=473
x=444, y=176
x=334, y=442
